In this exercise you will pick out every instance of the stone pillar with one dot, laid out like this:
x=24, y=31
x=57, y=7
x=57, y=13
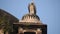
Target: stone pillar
x=7, y=32
x=39, y=31
x=20, y=30
x=1, y=31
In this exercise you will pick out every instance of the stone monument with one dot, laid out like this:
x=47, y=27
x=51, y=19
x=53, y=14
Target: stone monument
x=30, y=23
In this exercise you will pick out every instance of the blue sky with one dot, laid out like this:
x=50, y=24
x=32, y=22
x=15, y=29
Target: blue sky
x=47, y=10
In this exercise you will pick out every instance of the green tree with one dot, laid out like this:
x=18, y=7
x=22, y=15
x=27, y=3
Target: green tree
x=5, y=23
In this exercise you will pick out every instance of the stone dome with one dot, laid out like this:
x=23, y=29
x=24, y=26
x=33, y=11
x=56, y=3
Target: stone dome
x=28, y=16
x=31, y=17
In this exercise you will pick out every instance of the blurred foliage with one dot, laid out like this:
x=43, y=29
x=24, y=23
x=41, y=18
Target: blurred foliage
x=5, y=23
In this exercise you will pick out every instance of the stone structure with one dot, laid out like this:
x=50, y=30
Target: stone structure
x=30, y=23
